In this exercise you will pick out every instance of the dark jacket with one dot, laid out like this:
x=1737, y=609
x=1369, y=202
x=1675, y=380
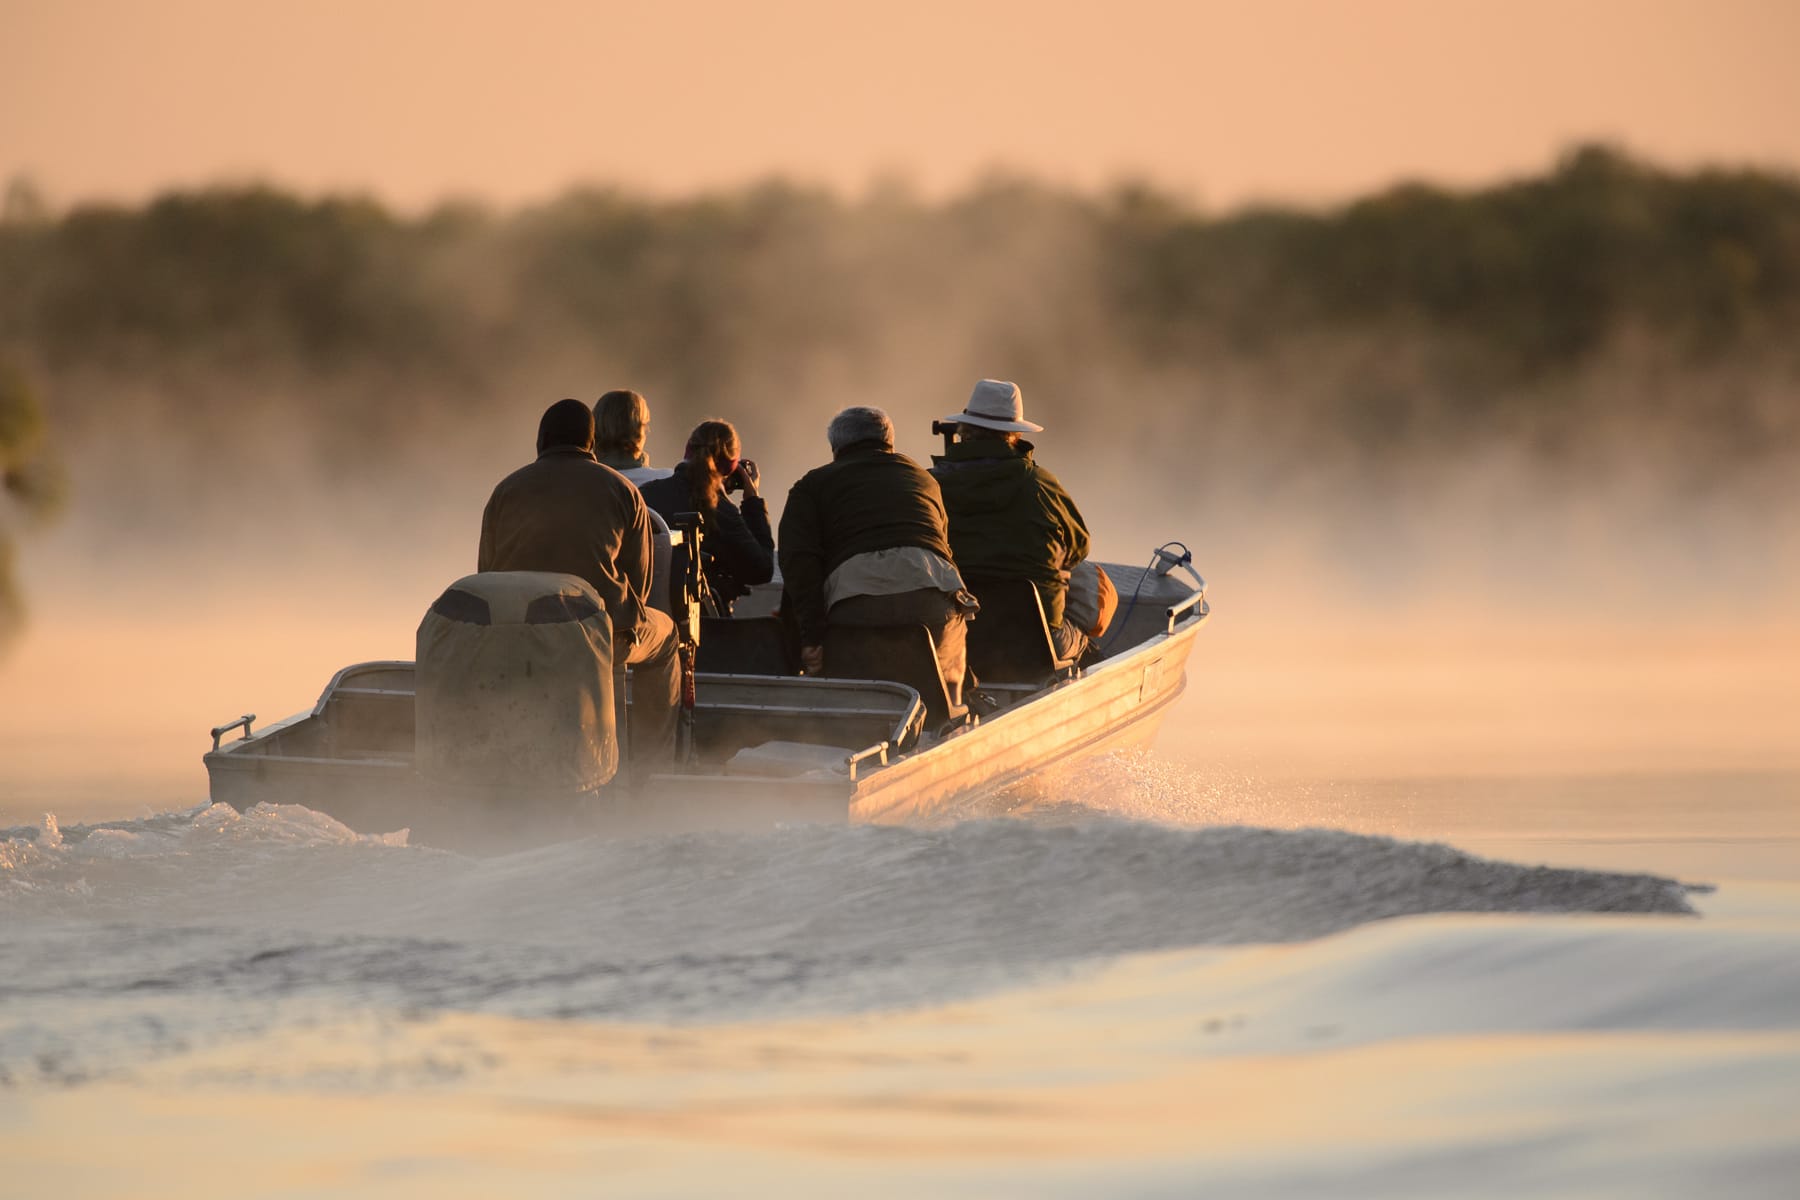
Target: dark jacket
x=738, y=544
x=868, y=498
x=1010, y=518
x=565, y=512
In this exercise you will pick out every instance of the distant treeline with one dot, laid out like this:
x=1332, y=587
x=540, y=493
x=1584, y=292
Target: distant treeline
x=1604, y=300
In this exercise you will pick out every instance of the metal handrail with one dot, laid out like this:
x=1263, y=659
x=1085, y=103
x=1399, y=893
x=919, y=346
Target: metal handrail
x=1175, y=611
x=879, y=750
x=220, y=731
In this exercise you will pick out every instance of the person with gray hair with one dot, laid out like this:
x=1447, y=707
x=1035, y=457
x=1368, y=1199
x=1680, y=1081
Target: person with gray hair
x=621, y=428
x=859, y=424
x=865, y=542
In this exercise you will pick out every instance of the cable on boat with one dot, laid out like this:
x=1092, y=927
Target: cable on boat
x=1159, y=555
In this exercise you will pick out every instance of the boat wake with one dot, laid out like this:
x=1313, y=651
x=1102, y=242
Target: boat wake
x=136, y=939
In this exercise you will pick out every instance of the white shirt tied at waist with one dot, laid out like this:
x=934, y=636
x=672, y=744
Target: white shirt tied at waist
x=643, y=475
x=889, y=572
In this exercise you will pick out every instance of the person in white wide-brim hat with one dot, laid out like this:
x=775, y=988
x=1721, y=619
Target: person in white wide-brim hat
x=1009, y=517
x=996, y=404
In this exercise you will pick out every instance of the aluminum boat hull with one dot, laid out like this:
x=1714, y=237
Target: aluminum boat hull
x=861, y=759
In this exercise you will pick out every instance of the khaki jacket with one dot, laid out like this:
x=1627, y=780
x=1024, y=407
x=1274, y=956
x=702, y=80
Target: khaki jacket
x=565, y=512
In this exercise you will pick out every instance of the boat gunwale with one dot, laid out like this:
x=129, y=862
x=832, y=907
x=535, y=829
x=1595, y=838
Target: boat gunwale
x=256, y=747
x=1063, y=691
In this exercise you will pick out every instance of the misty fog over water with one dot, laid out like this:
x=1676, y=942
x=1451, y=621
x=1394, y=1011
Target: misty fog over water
x=1514, y=465
x=1465, y=866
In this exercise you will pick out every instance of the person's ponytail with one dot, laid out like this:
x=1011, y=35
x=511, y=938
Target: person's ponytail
x=713, y=444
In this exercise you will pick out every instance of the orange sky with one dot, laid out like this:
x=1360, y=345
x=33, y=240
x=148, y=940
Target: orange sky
x=1295, y=99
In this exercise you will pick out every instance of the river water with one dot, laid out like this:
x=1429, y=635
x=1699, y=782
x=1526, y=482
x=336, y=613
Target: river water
x=1056, y=1001
x=1416, y=917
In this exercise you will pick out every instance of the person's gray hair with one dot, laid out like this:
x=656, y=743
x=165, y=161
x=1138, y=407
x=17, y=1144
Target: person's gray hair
x=620, y=419
x=859, y=424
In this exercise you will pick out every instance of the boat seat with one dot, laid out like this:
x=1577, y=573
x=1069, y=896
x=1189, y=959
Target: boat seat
x=742, y=646
x=656, y=586
x=902, y=653
x=1009, y=639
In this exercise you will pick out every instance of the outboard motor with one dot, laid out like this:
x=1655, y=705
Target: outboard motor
x=515, y=687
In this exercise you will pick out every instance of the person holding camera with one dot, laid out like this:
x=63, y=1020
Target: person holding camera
x=737, y=543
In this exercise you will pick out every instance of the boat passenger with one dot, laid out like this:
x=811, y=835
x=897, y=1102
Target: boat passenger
x=738, y=546
x=568, y=513
x=1009, y=517
x=621, y=431
x=865, y=542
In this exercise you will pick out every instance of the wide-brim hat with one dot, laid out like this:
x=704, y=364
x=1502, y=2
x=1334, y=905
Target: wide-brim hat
x=996, y=404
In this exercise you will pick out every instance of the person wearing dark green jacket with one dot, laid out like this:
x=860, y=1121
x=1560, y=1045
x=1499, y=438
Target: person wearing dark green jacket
x=865, y=542
x=1009, y=517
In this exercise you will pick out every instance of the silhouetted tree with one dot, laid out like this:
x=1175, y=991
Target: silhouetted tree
x=1416, y=317
x=32, y=485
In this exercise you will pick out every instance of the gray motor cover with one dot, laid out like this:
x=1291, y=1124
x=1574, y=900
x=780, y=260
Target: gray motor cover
x=515, y=685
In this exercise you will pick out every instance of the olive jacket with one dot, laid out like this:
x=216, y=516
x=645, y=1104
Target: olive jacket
x=1011, y=519
x=565, y=512
x=867, y=498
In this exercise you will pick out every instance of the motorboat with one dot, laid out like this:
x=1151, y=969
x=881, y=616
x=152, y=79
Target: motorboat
x=759, y=747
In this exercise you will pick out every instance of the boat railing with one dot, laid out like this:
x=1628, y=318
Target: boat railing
x=879, y=752
x=1175, y=612
x=373, y=670
x=219, y=731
